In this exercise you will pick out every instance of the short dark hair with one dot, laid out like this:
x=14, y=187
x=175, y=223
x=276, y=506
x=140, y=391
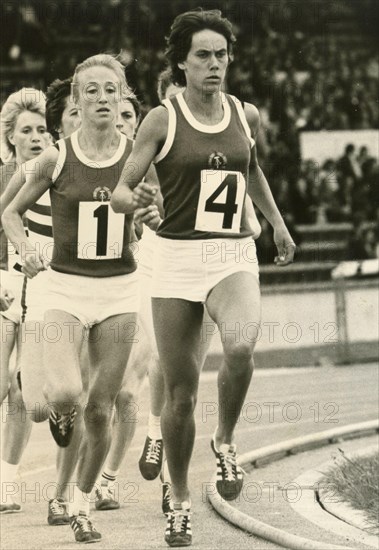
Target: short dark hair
x=56, y=96
x=132, y=98
x=184, y=27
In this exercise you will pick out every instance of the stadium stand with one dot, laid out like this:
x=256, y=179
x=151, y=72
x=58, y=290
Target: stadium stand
x=308, y=66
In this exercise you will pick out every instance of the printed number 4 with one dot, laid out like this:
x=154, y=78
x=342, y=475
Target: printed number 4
x=229, y=207
x=221, y=199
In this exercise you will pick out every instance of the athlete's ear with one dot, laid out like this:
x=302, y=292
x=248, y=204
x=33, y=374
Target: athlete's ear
x=182, y=66
x=11, y=139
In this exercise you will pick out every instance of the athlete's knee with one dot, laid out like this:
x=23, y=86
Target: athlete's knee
x=97, y=416
x=127, y=396
x=182, y=401
x=37, y=412
x=239, y=356
x=63, y=394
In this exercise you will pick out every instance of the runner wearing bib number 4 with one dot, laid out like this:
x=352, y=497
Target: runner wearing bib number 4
x=92, y=290
x=203, y=145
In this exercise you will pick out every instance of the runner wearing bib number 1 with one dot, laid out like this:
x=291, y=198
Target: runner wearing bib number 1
x=92, y=290
x=204, y=149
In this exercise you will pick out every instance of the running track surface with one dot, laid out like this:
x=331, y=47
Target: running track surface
x=281, y=404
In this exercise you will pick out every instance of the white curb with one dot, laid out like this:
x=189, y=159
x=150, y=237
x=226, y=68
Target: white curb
x=275, y=452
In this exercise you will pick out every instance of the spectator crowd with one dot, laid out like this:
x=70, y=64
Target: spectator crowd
x=306, y=65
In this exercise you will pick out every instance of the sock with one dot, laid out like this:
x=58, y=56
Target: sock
x=108, y=477
x=80, y=503
x=184, y=505
x=225, y=446
x=8, y=485
x=154, y=427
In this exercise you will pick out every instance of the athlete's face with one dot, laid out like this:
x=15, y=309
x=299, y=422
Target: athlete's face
x=30, y=136
x=206, y=62
x=70, y=120
x=98, y=95
x=127, y=119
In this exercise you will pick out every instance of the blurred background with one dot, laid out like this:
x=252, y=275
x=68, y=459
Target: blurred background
x=311, y=68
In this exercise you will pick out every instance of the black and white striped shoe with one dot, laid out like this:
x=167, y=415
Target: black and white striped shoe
x=178, y=529
x=57, y=512
x=106, y=498
x=83, y=529
x=62, y=427
x=229, y=480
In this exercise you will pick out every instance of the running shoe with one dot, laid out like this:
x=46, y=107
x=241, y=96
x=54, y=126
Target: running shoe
x=10, y=508
x=178, y=529
x=105, y=498
x=83, y=529
x=57, y=512
x=62, y=427
x=229, y=478
x=166, y=490
x=150, y=463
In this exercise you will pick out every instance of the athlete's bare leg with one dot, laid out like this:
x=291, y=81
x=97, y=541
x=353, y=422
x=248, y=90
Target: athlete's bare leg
x=67, y=457
x=178, y=321
x=156, y=387
x=61, y=354
x=125, y=421
x=8, y=339
x=234, y=304
x=107, y=366
x=32, y=370
x=17, y=427
x=156, y=381
x=16, y=433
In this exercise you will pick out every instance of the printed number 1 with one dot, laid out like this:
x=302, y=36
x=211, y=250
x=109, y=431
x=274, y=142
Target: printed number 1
x=101, y=213
x=229, y=207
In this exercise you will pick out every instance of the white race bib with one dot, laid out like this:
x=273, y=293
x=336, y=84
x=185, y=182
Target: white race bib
x=221, y=199
x=100, y=231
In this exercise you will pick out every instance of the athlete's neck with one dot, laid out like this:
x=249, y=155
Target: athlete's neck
x=97, y=143
x=206, y=108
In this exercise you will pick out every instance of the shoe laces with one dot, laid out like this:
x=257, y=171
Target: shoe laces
x=153, y=451
x=57, y=508
x=65, y=421
x=84, y=523
x=229, y=465
x=179, y=520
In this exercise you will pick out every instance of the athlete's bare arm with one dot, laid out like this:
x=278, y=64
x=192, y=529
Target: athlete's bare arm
x=36, y=185
x=16, y=182
x=260, y=192
x=131, y=192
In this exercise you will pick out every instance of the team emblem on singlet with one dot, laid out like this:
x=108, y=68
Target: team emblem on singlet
x=100, y=228
x=221, y=197
x=102, y=194
x=217, y=161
